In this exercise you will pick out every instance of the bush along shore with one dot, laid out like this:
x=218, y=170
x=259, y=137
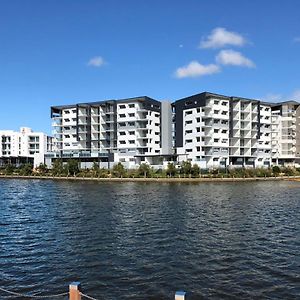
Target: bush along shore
x=184, y=172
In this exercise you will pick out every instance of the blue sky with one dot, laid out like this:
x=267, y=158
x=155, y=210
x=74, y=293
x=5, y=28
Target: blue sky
x=62, y=52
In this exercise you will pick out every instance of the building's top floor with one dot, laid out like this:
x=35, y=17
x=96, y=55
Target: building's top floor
x=23, y=132
x=147, y=102
x=201, y=99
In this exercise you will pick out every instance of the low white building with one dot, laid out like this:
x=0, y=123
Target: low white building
x=25, y=146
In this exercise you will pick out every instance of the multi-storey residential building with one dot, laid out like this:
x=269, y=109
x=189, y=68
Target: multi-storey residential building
x=130, y=131
x=215, y=130
x=23, y=146
x=208, y=129
x=286, y=133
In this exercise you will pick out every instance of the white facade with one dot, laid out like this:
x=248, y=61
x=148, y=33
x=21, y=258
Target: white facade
x=22, y=145
x=215, y=131
x=285, y=133
x=127, y=131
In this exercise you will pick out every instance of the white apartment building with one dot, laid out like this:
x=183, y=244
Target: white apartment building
x=130, y=131
x=286, y=133
x=25, y=146
x=216, y=131
x=208, y=129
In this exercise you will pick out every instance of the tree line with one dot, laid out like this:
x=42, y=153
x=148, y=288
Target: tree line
x=184, y=170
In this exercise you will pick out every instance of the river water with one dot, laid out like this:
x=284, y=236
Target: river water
x=148, y=240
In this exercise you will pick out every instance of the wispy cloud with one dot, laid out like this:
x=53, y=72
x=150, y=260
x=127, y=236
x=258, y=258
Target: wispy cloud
x=221, y=37
x=234, y=58
x=296, y=39
x=96, y=61
x=295, y=95
x=195, y=69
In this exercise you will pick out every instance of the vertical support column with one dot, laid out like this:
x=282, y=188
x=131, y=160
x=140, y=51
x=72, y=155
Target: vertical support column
x=74, y=291
x=180, y=295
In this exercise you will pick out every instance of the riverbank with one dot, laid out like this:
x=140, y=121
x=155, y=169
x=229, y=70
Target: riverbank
x=177, y=179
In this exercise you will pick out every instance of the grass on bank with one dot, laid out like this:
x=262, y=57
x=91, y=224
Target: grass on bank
x=185, y=170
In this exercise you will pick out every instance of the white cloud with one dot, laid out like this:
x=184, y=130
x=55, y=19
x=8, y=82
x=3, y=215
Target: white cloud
x=231, y=57
x=96, y=61
x=296, y=40
x=195, y=69
x=295, y=95
x=220, y=37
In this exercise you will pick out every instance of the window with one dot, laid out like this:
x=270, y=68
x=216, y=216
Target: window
x=216, y=102
x=122, y=106
x=122, y=133
x=131, y=115
x=198, y=139
x=188, y=131
x=188, y=141
x=198, y=129
x=198, y=149
x=224, y=131
x=122, y=124
x=131, y=133
x=198, y=120
x=189, y=150
x=157, y=115
x=131, y=105
x=216, y=140
x=216, y=111
x=224, y=113
x=189, y=112
x=216, y=130
x=122, y=142
x=188, y=122
x=198, y=110
x=224, y=103
x=215, y=159
x=131, y=141
x=131, y=123
x=122, y=115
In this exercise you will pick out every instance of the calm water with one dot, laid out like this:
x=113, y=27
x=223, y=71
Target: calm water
x=147, y=240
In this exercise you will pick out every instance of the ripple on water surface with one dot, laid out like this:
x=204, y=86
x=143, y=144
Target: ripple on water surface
x=147, y=240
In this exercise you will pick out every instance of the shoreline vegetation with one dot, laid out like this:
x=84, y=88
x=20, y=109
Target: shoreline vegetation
x=182, y=173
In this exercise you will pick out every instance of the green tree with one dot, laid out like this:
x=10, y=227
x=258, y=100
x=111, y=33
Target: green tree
x=276, y=170
x=195, y=170
x=9, y=169
x=26, y=169
x=71, y=167
x=186, y=168
x=118, y=170
x=144, y=170
x=171, y=169
x=42, y=169
x=57, y=167
x=95, y=169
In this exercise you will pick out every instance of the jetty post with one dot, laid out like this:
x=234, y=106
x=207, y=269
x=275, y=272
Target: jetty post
x=74, y=291
x=180, y=295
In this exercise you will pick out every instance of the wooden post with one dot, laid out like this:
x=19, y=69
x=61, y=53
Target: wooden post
x=180, y=295
x=74, y=291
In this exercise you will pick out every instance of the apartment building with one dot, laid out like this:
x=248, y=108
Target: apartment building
x=286, y=133
x=130, y=131
x=25, y=146
x=219, y=131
